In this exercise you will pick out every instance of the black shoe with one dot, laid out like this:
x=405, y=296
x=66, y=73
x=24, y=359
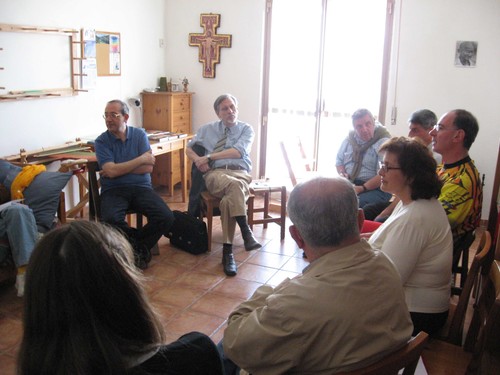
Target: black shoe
x=140, y=262
x=250, y=241
x=228, y=262
x=142, y=257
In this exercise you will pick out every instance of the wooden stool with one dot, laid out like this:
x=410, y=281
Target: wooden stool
x=266, y=190
x=209, y=203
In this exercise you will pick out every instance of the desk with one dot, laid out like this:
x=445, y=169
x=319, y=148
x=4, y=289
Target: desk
x=66, y=152
x=162, y=173
x=158, y=149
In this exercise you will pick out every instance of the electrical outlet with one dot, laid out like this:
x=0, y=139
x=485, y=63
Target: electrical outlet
x=161, y=42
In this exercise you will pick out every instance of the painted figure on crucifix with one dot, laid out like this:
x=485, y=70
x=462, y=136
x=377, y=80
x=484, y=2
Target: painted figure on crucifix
x=209, y=43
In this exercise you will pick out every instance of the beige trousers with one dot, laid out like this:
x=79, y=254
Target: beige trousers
x=232, y=187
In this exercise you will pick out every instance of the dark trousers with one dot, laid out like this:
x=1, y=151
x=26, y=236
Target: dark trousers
x=144, y=201
x=428, y=322
x=230, y=368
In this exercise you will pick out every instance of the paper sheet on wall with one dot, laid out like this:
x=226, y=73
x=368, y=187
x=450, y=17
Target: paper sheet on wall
x=89, y=71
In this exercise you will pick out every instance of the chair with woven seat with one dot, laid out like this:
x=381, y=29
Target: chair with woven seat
x=405, y=359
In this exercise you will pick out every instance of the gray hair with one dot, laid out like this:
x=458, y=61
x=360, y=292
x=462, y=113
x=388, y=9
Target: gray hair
x=324, y=211
x=221, y=98
x=124, y=107
x=362, y=112
x=424, y=117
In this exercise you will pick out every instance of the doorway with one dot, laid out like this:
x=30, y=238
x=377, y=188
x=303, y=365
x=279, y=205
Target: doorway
x=325, y=59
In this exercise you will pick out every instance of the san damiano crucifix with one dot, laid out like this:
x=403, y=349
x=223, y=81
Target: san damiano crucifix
x=209, y=43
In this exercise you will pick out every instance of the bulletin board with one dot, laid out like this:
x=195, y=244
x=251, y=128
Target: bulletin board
x=108, y=53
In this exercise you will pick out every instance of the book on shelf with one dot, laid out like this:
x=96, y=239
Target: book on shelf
x=163, y=136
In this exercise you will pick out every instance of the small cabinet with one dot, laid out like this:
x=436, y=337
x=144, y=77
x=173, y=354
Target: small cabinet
x=167, y=111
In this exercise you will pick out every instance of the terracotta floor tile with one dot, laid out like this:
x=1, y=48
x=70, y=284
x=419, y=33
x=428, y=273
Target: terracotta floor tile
x=194, y=321
x=253, y=272
x=210, y=265
x=263, y=258
x=8, y=364
x=216, y=304
x=177, y=295
x=166, y=312
x=182, y=258
x=236, y=287
x=10, y=333
x=218, y=334
x=241, y=255
x=166, y=271
x=295, y=265
x=280, y=276
x=198, y=280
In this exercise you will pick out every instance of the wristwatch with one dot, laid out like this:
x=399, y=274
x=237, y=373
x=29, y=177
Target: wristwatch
x=208, y=157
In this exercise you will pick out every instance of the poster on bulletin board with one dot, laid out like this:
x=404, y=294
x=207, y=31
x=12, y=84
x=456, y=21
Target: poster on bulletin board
x=108, y=53
x=89, y=63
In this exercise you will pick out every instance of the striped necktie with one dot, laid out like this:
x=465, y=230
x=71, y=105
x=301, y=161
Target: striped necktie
x=219, y=146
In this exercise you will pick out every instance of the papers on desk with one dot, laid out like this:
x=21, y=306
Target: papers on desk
x=157, y=136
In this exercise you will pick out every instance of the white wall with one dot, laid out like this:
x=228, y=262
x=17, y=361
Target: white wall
x=240, y=68
x=32, y=124
x=423, y=74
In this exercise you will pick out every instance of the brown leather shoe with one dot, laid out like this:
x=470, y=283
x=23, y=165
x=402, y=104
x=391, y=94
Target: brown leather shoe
x=228, y=262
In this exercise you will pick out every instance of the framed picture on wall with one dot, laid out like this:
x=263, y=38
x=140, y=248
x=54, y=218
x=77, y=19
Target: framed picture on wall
x=465, y=54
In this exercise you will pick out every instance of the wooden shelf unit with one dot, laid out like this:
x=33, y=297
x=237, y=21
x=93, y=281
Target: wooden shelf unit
x=167, y=111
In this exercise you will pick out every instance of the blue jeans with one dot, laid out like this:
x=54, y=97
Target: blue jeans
x=116, y=202
x=17, y=222
x=373, y=196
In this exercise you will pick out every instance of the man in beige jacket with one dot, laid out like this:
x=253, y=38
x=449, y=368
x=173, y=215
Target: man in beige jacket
x=346, y=310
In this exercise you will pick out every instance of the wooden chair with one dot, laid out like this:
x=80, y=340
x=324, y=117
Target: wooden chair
x=460, y=265
x=299, y=168
x=458, y=311
x=265, y=190
x=482, y=338
x=405, y=358
x=209, y=209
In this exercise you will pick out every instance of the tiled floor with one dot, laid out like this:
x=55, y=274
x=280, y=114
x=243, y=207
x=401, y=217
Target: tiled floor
x=191, y=293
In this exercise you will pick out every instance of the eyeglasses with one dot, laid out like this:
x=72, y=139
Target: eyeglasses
x=439, y=127
x=112, y=115
x=385, y=168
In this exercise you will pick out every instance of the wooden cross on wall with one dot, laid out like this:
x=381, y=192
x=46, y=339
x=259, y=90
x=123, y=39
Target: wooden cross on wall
x=209, y=43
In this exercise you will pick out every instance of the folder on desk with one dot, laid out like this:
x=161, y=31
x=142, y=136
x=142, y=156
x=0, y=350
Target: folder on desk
x=157, y=136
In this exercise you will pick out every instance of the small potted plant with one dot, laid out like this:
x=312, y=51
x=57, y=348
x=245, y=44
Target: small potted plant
x=185, y=83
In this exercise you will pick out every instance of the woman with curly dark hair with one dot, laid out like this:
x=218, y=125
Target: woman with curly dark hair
x=86, y=312
x=417, y=236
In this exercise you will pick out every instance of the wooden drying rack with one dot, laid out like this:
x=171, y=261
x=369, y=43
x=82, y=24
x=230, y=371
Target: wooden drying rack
x=75, y=58
x=43, y=155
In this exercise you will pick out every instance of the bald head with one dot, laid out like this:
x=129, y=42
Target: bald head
x=325, y=211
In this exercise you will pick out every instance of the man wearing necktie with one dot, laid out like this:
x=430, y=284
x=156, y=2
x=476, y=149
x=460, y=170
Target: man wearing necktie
x=226, y=166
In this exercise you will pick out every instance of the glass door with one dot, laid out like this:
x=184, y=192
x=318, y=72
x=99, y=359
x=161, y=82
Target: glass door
x=325, y=61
